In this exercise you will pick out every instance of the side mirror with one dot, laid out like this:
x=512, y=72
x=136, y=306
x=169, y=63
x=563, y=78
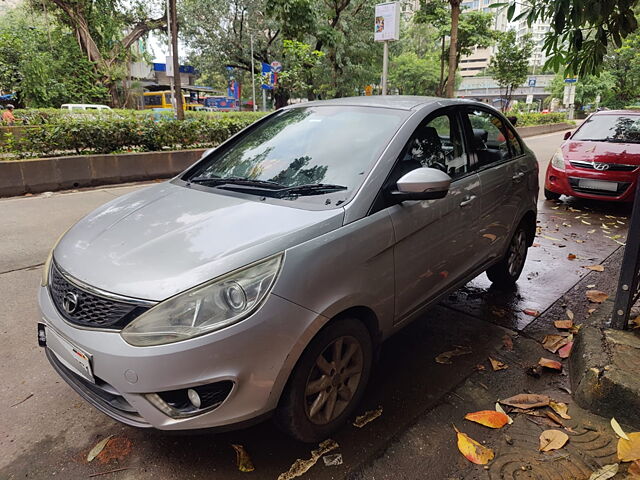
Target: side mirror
x=567, y=135
x=422, y=184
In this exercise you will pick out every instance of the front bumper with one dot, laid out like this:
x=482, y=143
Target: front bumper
x=256, y=354
x=567, y=183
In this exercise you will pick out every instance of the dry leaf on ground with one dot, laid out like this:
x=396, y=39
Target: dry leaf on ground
x=563, y=324
x=501, y=410
x=554, y=342
x=531, y=312
x=472, y=450
x=445, y=357
x=606, y=472
x=488, y=418
x=332, y=460
x=552, y=440
x=526, y=401
x=497, y=365
x=618, y=429
x=243, y=461
x=595, y=268
x=596, y=296
x=95, y=451
x=490, y=236
x=367, y=417
x=552, y=364
x=571, y=256
x=561, y=409
x=629, y=450
x=565, y=351
x=300, y=467
x=635, y=323
x=634, y=470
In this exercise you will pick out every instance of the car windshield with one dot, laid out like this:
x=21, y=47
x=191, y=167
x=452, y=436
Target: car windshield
x=610, y=128
x=313, y=154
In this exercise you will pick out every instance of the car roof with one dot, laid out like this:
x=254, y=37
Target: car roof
x=618, y=112
x=401, y=102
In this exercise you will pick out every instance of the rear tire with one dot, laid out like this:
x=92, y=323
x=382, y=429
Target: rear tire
x=327, y=382
x=549, y=195
x=507, y=271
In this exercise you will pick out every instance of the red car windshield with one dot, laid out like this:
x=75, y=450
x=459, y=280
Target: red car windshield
x=610, y=128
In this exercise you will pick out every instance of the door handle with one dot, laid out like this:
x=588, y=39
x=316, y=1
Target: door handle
x=518, y=176
x=467, y=201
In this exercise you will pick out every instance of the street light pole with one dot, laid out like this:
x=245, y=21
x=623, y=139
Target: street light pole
x=385, y=66
x=173, y=29
x=253, y=77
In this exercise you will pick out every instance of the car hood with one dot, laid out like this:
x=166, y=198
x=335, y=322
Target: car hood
x=162, y=240
x=606, y=152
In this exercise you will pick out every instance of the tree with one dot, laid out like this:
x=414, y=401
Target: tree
x=582, y=30
x=510, y=64
x=298, y=59
x=587, y=89
x=412, y=75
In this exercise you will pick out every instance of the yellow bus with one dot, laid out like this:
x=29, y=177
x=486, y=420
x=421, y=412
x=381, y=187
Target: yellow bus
x=162, y=100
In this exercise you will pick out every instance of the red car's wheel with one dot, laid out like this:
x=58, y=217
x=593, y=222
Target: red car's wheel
x=549, y=195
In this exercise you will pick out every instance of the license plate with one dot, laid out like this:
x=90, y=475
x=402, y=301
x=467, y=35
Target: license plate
x=598, y=185
x=70, y=355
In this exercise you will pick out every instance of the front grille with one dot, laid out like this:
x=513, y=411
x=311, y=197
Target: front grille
x=89, y=310
x=610, y=167
x=621, y=188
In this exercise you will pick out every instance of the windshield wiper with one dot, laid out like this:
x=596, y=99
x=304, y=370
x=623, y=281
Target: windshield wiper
x=215, y=181
x=309, y=189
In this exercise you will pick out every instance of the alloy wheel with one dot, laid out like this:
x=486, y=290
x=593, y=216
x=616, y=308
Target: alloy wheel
x=517, y=253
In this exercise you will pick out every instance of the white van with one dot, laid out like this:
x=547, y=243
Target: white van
x=83, y=106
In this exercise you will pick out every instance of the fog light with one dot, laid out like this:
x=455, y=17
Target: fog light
x=194, y=398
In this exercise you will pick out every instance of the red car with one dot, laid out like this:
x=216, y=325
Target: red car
x=600, y=161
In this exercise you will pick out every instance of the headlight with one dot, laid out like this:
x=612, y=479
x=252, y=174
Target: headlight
x=557, y=161
x=205, y=308
x=46, y=268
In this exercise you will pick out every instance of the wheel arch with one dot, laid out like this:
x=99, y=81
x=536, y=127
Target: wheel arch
x=529, y=222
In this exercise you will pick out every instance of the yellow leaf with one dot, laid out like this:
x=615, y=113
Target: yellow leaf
x=488, y=418
x=95, y=451
x=242, y=459
x=490, y=236
x=618, y=429
x=561, y=409
x=472, y=450
x=563, y=324
x=629, y=450
x=596, y=296
x=497, y=365
x=552, y=440
x=595, y=268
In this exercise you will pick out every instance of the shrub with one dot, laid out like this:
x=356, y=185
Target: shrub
x=121, y=130
x=530, y=119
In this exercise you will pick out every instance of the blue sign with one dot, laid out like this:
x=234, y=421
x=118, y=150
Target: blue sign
x=571, y=80
x=268, y=77
x=532, y=82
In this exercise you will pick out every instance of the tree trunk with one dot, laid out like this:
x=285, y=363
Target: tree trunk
x=455, y=17
x=441, y=82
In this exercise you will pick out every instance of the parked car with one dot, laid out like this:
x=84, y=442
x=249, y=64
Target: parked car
x=83, y=106
x=599, y=161
x=262, y=280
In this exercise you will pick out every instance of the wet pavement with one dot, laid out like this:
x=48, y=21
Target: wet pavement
x=50, y=433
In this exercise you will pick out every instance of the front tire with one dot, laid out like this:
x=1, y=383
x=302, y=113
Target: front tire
x=549, y=195
x=508, y=270
x=327, y=382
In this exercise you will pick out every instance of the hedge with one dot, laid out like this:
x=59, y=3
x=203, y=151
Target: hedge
x=113, y=133
x=531, y=119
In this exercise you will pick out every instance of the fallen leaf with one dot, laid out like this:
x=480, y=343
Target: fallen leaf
x=552, y=440
x=118, y=448
x=635, y=323
x=480, y=368
x=300, y=467
x=565, y=351
x=561, y=409
x=552, y=364
x=563, y=324
x=551, y=238
x=570, y=315
x=488, y=418
x=490, y=236
x=595, y=268
x=445, y=357
x=571, y=256
x=332, y=460
x=497, y=365
x=531, y=312
x=243, y=461
x=591, y=310
x=606, y=472
x=367, y=417
x=526, y=401
x=575, y=328
x=554, y=418
x=554, y=342
x=596, y=296
x=618, y=429
x=585, y=222
x=95, y=451
x=472, y=450
x=629, y=450
x=591, y=231
x=634, y=470
x=501, y=410
x=507, y=343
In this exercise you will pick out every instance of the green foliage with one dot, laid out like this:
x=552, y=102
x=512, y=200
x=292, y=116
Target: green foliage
x=510, y=64
x=69, y=134
x=412, y=75
x=531, y=119
x=298, y=59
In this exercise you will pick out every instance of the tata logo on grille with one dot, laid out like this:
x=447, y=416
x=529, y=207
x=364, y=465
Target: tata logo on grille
x=601, y=166
x=70, y=302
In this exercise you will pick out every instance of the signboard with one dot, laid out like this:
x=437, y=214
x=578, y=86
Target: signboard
x=569, y=95
x=532, y=82
x=529, y=99
x=571, y=80
x=387, y=23
x=276, y=67
x=169, y=64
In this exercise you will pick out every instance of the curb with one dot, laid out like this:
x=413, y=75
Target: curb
x=534, y=130
x=603, y=370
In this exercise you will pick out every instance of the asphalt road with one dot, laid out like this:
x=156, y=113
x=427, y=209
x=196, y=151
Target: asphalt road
x=46, y=430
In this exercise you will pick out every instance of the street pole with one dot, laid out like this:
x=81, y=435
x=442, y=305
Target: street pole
x=173, y=96
x=264, y=99
x=176, y=61
x=253, y=77
x=385, y=66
